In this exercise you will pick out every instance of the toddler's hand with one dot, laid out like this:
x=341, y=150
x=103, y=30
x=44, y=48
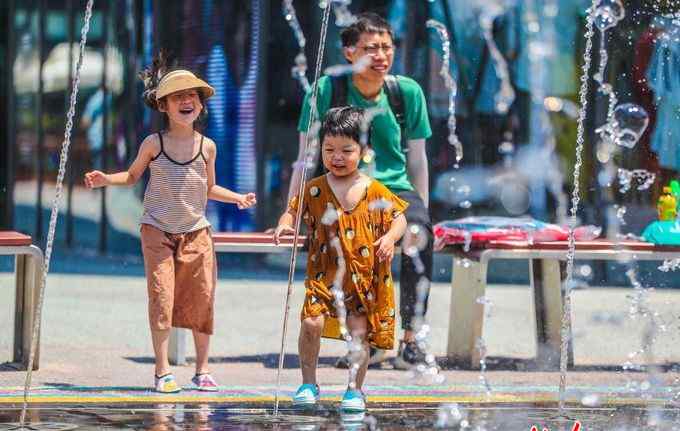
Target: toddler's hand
x=96, y=179
x=246, y=201
x=281, y=230
x=384, y=248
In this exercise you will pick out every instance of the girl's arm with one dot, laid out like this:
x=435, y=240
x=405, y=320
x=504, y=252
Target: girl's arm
x=385, y=244
x=147, y=151
x=219, y=193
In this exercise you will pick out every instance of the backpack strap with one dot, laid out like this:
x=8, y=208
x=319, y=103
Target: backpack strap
x=339, y=91
x=395, y=98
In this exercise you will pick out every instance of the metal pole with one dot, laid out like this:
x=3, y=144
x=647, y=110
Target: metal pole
x=261, y=107
x=131, y=130
x=104, y=220
x=42, y=4
x=6, y=217
x=69, y=196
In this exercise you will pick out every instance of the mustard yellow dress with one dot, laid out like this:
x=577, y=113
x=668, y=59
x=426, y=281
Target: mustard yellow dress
x=343, y=235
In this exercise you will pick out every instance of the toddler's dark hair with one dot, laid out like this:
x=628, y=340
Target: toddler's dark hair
x=367, y=22
x=344, y=121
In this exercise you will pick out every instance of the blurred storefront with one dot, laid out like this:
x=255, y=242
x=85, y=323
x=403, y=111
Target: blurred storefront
x=246, y=49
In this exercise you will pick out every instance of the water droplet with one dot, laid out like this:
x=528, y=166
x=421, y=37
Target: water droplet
x=466, y=204
x=631, y=123
x=591, y=400
x=608, y=14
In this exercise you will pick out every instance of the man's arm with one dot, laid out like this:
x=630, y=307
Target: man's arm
x=416, y=166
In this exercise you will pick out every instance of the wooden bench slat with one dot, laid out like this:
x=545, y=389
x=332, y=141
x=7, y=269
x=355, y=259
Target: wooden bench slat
x=13, y=239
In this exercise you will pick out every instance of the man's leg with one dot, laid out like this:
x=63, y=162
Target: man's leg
x=416, y=268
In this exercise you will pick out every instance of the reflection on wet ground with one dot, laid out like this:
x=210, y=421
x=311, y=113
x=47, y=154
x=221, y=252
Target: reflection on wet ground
x=170, y=417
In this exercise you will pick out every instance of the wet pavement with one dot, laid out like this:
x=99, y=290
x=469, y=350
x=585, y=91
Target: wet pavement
x=205, y=417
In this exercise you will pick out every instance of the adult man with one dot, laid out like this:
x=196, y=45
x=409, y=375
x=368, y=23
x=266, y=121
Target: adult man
x=402, y=168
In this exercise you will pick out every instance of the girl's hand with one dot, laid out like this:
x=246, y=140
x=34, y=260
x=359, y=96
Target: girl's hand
x=96, y=179
x=246, y=201
x=281, y=230
x=384, y=248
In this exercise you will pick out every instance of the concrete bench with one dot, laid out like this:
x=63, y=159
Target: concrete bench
x=546, y=270
x=28, y=270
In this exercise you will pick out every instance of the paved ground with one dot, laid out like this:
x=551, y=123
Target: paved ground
x=95, y=335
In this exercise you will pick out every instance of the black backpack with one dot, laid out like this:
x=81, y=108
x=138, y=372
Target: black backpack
x=394, y=98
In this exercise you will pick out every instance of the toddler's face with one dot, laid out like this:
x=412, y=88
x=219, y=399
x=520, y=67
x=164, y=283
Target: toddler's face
x=340, y=155
x=183, y=107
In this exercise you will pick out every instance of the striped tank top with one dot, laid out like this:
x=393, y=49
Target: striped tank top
x=177, y=193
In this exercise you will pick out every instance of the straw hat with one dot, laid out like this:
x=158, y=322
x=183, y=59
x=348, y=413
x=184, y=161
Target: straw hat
x=178, y=80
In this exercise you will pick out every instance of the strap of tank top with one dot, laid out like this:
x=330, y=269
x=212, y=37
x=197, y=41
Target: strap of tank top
x=162, y=151
x=200, y=149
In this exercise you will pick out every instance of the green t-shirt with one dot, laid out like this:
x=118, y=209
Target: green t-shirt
x=390, y=160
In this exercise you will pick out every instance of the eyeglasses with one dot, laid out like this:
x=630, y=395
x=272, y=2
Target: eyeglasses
x=373, y=49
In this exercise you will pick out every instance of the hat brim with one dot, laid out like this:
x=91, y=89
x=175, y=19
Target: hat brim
x=180, y=83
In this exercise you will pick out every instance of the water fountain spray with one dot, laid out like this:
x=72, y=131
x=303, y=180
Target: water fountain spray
x=298, y=218
x=506, y=94
x=575, y=199
x=450, y=83
x=299, y=71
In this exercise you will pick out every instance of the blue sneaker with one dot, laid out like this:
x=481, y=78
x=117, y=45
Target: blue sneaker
x=353, y=401
x=307, y=395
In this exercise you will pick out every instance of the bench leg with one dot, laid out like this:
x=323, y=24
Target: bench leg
x=177, y=346
x=546, y=283
x=466, y=315
x=28, y=275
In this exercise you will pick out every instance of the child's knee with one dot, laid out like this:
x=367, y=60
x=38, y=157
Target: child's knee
x=357, y=324
x=312, y=327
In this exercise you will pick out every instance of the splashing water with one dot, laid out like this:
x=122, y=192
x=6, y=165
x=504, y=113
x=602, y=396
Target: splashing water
x=450, y=83
x=451, y=416
x=356, y=353
x=343, y=17
x=63, y=158
x=298, y=218
x=481, y=345
x=505, y=95
x=369, y=154
x=670, y=265
x=643, y=178
x=347, y=69
x=608, y=13
x=620, y=214
x=427, y=371
x=299, y=71
x=575, y=199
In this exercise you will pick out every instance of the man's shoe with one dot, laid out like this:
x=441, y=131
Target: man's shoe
x=408, y=355
x=353, y=401
x=307, y=395
x=376, y=357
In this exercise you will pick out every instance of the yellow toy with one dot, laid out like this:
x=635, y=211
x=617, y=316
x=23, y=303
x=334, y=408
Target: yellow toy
x=667, y=205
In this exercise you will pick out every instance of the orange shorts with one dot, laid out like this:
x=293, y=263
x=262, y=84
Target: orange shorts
x=181, y=273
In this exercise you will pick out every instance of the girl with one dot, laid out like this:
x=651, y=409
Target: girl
x=179, y=258
x=353, y=222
